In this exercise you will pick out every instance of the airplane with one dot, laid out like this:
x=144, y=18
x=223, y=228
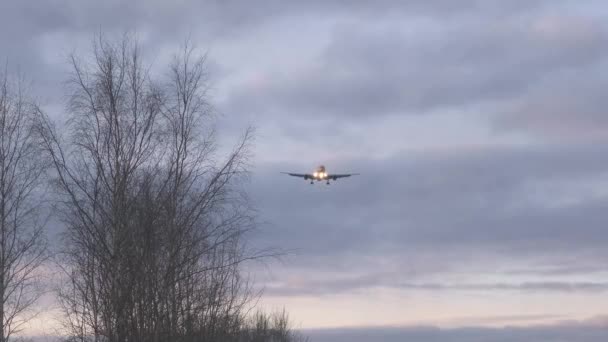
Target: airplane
x=320, y=175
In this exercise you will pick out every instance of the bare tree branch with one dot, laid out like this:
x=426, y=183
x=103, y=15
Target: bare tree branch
x=22, y=240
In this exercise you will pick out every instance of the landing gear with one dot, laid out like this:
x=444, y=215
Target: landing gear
x=312, y=182
x=327, y=183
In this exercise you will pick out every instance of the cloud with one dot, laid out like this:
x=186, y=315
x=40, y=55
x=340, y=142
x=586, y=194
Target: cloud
x=591, y=330
x=579, y=332
x=371, y=69
x=411, y=217
x=319, y=75
x=576, y=331
x=487, y=195
x=339, y=286
x=568, y=105
x=450, y=55
x=567, y=268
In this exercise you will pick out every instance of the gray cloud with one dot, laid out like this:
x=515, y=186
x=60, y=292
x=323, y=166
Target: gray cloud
x=593, y=330
x=536, y=68
x=75, y=15
x=478, y=211
x=451, y=55
x=328, y=287
x=566, y=268
x=465, y=196
x=28, y=19
x=369, y=70
x=564, y=106
x=582, y=332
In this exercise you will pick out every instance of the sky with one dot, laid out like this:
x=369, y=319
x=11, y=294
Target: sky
x=478, y=128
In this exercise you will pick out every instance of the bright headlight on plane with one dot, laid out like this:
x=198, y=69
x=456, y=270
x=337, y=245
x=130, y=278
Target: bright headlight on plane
x=316, y=174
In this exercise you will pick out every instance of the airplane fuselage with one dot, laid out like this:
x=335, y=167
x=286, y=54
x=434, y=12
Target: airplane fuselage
x=319, y=174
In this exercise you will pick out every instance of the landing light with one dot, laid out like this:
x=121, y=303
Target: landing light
x=316, y=174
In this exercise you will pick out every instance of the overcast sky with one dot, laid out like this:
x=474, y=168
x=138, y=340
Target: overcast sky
x=478, y=127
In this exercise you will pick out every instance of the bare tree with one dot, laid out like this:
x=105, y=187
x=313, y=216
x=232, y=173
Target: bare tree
x=274, y=327
x=22, y=242
x=156, y=220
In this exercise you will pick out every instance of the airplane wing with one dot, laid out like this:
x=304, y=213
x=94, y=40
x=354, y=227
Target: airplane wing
x=301, y=175
x=336, y=176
